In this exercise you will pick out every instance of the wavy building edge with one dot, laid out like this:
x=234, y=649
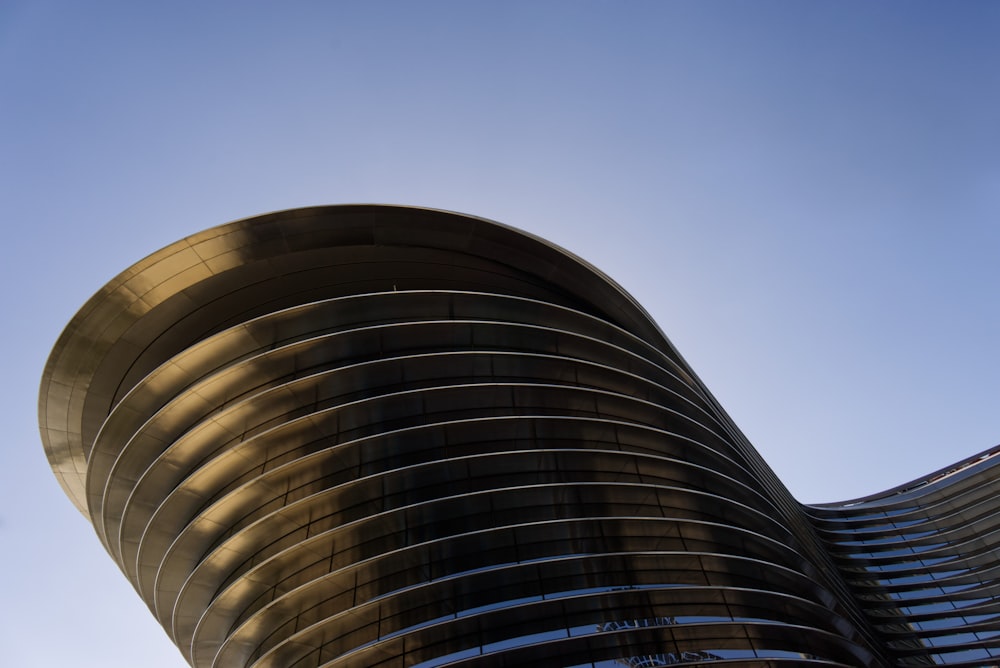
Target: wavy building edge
x=373, y=435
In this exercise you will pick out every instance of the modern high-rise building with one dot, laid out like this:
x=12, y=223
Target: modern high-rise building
x=379, y=436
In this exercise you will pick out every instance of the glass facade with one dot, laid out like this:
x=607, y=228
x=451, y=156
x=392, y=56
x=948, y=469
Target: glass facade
x=389, y=436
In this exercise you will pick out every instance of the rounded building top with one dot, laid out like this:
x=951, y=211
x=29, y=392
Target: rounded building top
x=224, y=276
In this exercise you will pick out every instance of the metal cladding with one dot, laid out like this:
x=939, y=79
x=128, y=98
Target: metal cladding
x=389, y=436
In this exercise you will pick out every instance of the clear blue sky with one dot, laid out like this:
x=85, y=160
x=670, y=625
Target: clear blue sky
x=806, y=196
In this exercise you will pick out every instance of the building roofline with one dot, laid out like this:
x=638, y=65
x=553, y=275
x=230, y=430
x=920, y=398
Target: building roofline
x=111, y=323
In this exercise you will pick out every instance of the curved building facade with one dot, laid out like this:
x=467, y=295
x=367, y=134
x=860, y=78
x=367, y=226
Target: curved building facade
x=922, y=559
x=389, y=436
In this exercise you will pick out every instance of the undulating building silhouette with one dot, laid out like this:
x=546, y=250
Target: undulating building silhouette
x=388, y=436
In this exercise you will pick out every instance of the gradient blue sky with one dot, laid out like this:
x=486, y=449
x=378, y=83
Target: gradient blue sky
x=805, y=196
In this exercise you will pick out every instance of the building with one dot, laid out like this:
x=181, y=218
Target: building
x=389, y=436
